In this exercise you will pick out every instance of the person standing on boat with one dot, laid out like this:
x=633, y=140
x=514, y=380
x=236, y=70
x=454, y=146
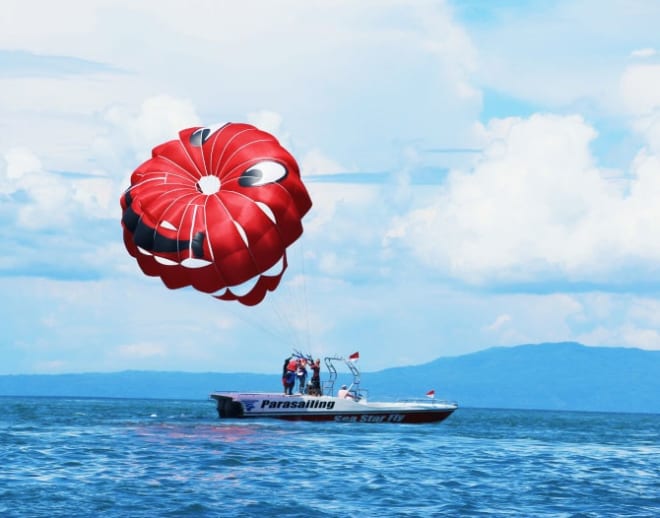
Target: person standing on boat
x=289, y=375
x=284, y=371
x=315, y=382
x=301, y=374
x=290, y=382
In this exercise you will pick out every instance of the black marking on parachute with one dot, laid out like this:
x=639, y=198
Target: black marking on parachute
x=167, y=244
x=199, y=136
x=130, y=219
x=197, y=245
x=143, y=236
x=149, y=239
x=256, y=175
x=250, y=177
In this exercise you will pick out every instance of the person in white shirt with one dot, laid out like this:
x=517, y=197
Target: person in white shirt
x=343, y=393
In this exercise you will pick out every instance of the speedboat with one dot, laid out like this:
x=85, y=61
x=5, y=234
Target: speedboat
x=352, y=406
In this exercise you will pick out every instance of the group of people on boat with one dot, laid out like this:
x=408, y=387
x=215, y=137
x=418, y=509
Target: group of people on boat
x=295, y=370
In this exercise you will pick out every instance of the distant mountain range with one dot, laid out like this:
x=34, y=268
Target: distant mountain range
x=552, y=376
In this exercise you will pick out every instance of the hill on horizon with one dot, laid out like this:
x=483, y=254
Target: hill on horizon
x=554, y=376
x=550, y=376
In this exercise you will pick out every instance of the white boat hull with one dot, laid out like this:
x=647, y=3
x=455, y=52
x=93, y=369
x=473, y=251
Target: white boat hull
x=328, y=408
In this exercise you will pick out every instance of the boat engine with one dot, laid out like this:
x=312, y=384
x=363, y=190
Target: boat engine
x=227, y=407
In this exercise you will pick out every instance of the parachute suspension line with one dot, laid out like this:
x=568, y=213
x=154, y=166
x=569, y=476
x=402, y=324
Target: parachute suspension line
x=287, y=310
x=286, y=322
x=299, y=285
x=305, y=298
x=280, y=315
x=258, y=323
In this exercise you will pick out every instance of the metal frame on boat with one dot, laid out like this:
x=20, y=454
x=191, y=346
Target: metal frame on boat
x=326, y=407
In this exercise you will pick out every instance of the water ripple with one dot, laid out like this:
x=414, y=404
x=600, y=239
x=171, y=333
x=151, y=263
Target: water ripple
x=172, y=458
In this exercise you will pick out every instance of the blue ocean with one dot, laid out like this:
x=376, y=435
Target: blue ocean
x=133, y=458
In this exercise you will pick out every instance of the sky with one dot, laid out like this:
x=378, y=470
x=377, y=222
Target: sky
x=482, y=174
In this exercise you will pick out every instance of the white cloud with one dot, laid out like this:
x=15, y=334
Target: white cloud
x=335, y=207
x=159, y=119
x=640, y=85
x=546, y=54
x=24, y=172
x=359, y=88
x=642, y=338
x=624, y=336
x=111, y=258
x=41, y=34
x=646, y=52
x=536, y=207
x=314, y=162
x=592, y=318
x=500, y=321
x=269, y=121
x=334, y=264
x=53, y=199
x=50, y=367
x=529, y=318
x=19, y=162
x=640, y=88
x=645, y=312
x=140, y=350
x=96, y=197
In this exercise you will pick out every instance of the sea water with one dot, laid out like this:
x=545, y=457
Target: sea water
x=133, y=458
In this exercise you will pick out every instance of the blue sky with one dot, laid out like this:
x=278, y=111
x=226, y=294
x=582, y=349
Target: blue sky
x=483, y=174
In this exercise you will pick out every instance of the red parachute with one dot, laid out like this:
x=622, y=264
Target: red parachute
x=216, y=210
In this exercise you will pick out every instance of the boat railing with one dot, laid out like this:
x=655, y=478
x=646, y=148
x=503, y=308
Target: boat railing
x=329, y=383
x=427, y=401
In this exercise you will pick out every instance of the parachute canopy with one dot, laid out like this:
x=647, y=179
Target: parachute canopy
x=216, y=210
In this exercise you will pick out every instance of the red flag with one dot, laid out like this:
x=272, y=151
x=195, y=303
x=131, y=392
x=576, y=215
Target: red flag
x=354, y=356
x=430, y=393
